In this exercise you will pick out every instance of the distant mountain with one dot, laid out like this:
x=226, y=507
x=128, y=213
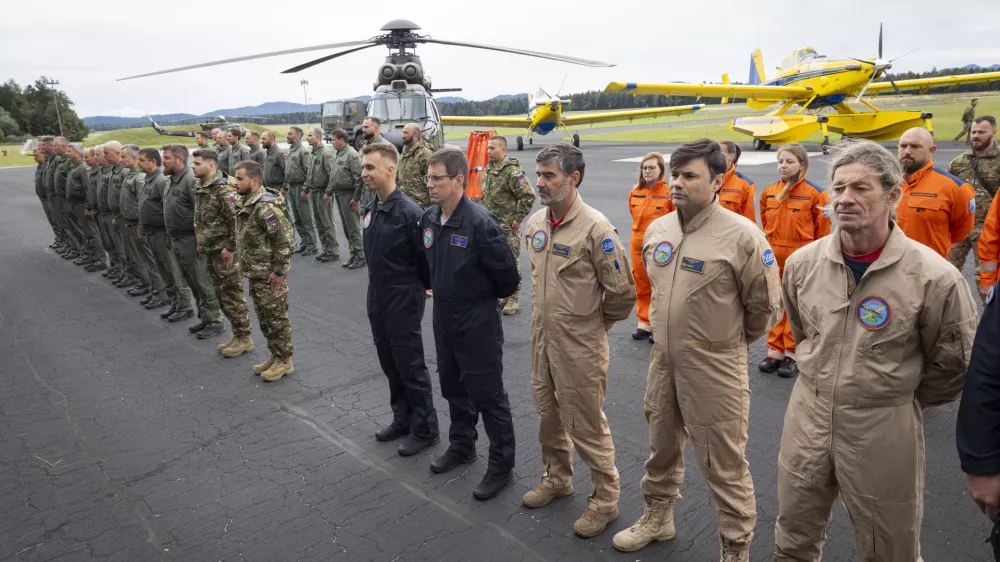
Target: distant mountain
x=451, y=99
x=269, y=108
x=992, y=68
x=505, y=97
x=110, y=120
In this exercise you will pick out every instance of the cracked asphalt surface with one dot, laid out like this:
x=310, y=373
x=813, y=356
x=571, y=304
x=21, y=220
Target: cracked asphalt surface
x=122, y=437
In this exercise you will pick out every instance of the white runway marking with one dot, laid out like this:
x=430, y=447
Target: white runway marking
x=747, y=159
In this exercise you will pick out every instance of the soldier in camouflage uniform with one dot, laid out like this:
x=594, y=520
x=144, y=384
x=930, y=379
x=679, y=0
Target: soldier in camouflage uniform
x=508, y=195
x=968, y=116
x=413, y=166
x=317, y=181
x=346, y=186
x=296, y=170
x=265, y=241
x=134, y=184
x=257, y=153
x=238, y=151
x=215, y=208
x=980, y=167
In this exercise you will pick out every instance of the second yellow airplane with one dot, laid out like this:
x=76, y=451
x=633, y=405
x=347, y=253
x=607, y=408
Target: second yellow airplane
x=545, y=115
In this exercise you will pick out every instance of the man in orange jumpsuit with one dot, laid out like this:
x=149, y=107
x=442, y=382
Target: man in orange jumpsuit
x=738, y=191
x=648, y=201
x=793, y=213
x=937, y=208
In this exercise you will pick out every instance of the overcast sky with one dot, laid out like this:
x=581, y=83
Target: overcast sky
x=87, y=47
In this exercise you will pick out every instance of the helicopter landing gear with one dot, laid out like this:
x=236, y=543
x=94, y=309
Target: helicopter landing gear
x=760, y=145
x=520, y=143
x=576, y=140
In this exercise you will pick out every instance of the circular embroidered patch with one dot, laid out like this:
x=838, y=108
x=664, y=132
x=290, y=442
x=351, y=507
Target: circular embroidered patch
x=990, y=295
x=767, y=257
x=874, y=313
x=538, y=240
x=368, y=219
x=607, y=245
x=428, y=238
x=663, y=253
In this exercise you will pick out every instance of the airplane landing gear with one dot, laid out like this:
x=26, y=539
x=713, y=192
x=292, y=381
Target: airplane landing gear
x=576, y=140
x=520, y=143
x=760, y=145
x=531, y=140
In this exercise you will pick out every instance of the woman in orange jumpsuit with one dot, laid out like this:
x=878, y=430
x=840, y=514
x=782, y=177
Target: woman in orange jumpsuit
x=793, y=213
x=648, y=201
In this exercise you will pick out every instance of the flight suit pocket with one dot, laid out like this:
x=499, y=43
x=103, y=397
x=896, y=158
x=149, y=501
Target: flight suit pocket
x=882, y=381
x=929, y=209
x=575, y=288
x=801, y=219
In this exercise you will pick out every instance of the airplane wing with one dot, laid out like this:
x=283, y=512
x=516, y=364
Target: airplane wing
x=757, y=92
x=927, y=83
x=588, y=118
x=509, y=121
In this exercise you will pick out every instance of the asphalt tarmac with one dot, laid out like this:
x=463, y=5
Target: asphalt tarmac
x=122, y=437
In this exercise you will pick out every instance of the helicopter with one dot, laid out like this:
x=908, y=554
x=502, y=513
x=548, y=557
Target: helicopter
x=403, y=91
x=218, y=122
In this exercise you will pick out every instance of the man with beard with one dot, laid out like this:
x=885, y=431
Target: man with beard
x=937, y=208
x=256, y=154
x=980, y=167
x=201, y=139
x=413, y=166
x=370, y=132
x=581, y=284
x=238, y=151
x=297, y=160
x=397, y=279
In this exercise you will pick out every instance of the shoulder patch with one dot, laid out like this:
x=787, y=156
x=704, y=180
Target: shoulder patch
x=268, y=196
x=355, y=157
x=607, y=245
x=767, y=257
x=744, y=178
x=273, y=223
x=231, y=200
x=972, y=206
x=958, y=181
x=816, y=186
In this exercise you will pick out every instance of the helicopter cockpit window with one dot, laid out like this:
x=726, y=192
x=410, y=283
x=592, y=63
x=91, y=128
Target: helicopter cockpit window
x=411, y=106
x=333, y=108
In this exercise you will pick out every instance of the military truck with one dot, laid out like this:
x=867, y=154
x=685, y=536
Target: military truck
x=343, y=114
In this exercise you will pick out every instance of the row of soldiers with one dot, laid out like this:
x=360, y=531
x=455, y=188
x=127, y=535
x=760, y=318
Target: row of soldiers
x=182, y=236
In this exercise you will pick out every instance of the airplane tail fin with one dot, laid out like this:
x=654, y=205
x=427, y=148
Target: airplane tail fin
x=756, y=68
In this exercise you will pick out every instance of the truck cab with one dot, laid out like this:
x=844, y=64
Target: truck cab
x=347, y=114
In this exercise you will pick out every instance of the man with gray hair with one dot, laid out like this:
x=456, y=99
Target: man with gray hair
x=884, y=327
x=99, y=243
x=61, y=172
x=76, y=197
x=316, y=182
x=130, y=273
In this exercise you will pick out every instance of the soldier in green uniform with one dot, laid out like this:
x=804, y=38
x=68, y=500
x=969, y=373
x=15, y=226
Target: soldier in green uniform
x=153, y=233
x=201, y=139
x=413, y=166
x=238, y=151
x=225, y=150
x=219, y=136
x=296, y=170
x=980, y=167
x=59, y=204
x=257, y=154
x=40, y=155
x=265, y=241
x=508, y=195
x=76, y=197
x=49, y=177
x=178, y=217
x=132, y=277
x=215, y=227
x=112, y=170
x=274, y=162
x=346, y=187
x=968, y=116
x=150, y=282
x=317, y=181
x=96, y=231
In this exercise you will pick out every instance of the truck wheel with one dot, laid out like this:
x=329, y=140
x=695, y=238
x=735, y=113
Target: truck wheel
x=520, y=143
x=359, y=142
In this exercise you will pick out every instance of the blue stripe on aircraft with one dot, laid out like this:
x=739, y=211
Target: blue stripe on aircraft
x=546, y=127
x=803, y=76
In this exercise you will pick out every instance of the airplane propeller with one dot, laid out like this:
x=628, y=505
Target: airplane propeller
x=880, y=66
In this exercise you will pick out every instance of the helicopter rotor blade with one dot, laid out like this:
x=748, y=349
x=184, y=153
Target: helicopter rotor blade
x=253, y=57
x=550, y=56
x=313, y=63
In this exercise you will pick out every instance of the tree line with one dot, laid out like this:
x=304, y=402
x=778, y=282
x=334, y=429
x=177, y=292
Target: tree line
x=31, y=111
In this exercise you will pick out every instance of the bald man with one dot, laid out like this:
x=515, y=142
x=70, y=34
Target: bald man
x=413, y=166
x=937, y=208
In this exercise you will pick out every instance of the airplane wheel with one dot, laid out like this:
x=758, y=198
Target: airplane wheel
x=520, y=143
x=576, y=140
x=758, y=144
x=531, y=140
x=825, y=147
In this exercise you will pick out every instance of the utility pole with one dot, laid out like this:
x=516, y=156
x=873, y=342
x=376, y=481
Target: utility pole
x=55, y=100
x=304, y=96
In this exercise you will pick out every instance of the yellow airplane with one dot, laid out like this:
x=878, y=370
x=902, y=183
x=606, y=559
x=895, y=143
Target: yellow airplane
x=814, y=82
x=545, y=114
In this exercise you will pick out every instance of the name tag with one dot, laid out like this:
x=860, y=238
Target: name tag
x=459, y=241
x=691, y=264
x=560, y=250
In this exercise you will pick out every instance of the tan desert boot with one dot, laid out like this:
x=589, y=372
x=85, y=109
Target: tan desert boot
x=238, y=347
x=593, y=523
x=227, y=343
x=656, y=524
x=259, y=368
x=543, y=495
x=279, y=368
x=511, y=305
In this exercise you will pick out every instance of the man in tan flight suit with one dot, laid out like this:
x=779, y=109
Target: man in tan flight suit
x=715, y=289
x=884, y=328
x=582, y=284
